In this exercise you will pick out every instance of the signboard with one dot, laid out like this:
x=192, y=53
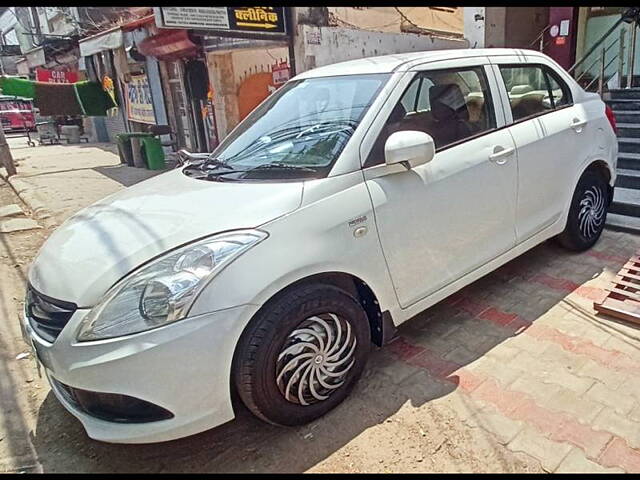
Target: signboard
x=55, y=76
x=280, y=73
x=139, y=103
x=313, y=38
x=231, y=19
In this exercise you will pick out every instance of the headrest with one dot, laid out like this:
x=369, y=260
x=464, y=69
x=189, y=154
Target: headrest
x=447, y=100
x=520, y=89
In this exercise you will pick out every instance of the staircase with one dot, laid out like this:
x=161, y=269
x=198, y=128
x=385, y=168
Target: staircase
x=624, y=212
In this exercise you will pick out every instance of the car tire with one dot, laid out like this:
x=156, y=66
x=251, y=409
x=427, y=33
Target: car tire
x=286, y=355
x=587, y=214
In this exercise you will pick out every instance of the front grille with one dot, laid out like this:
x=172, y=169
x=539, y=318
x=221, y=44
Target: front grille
x=112, y=407
x=46, y=315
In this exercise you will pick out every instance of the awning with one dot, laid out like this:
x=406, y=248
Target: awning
x=108, y=40
x=35, y=57
x=168, y=45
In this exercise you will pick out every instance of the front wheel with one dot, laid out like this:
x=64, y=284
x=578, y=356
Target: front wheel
x=587, y=213
x=302, y=354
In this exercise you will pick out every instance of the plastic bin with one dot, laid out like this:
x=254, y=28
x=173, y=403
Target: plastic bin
x=153, y=153
x=124, y=146
x=71, y=133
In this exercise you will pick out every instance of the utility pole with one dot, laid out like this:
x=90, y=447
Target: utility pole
x=290, y=17
x=5, y=154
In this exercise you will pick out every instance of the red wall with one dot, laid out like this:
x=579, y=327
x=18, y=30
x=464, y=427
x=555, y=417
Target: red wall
x=564, y=54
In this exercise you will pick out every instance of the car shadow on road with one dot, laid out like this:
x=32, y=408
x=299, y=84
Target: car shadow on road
x=390, y=383
x=126, y=175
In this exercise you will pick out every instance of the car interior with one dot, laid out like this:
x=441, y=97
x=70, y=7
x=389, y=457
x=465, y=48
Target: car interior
x=450, y=106
x=451, y=117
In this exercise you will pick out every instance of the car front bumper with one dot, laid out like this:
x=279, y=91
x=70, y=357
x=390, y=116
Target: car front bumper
x=183, y=367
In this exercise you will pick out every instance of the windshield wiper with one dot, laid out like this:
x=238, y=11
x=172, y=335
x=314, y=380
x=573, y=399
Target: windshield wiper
x=215, y=162
x=214, y=174
x=282, y=166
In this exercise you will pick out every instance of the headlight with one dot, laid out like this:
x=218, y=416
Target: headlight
x=162, y=291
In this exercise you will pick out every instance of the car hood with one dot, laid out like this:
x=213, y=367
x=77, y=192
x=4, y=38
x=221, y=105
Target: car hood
x=100, y=244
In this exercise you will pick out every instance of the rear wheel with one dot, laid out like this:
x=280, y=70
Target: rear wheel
x=302, y=354
x=587, y=213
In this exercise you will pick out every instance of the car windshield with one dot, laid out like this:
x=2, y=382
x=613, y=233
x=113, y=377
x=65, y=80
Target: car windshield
x=297, y=132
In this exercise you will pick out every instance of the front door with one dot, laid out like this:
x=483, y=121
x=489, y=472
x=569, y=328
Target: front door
x=442, y=220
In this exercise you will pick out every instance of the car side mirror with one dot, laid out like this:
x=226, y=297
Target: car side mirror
x=409, y=147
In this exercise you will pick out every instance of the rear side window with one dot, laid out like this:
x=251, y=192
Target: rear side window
x=450, y=105
x=534, y=90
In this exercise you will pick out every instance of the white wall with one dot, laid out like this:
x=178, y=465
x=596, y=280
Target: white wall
x=339, y=44
x=474, y=29
x=244, y=60
x=7, y=20
x=8, y=23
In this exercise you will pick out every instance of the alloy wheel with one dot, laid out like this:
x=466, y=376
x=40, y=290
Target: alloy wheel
x=592, y=212
x=315, y=359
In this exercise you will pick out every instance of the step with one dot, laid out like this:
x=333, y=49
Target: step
x=628, y=178
x=630, y=116
x=629, y=161
x=628, y=145
x=626, y=129
x=627, y=104
x=624, y=93
x=626, y=201
x=622, y=223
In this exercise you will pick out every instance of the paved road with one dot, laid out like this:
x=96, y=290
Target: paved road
x=515, y=373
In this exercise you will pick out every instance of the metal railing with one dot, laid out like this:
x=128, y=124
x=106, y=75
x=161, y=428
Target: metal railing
x=594, y=71
x=596, y=55
x=539, y=40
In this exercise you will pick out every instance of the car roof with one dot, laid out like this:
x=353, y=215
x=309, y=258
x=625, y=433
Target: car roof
x=399, y=62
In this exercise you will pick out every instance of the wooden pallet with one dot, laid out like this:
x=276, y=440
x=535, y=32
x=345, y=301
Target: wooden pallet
x=623, y=299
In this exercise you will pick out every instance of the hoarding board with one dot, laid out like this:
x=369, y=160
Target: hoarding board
x=139, y=103
x=229, y=19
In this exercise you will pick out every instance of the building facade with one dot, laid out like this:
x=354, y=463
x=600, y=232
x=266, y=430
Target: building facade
x=200, y=70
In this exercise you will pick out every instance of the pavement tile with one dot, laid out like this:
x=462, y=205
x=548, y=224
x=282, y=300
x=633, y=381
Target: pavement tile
x=622, y=426
x=619, y=454
x=577, y=462
x=18, y=225
x=548, y=452
x=622, y=404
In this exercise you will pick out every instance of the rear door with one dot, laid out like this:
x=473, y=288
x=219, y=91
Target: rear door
x=551, y=134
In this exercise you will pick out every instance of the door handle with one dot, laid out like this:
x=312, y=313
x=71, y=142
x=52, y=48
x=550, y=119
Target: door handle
x=500, y=154
x=577, y=124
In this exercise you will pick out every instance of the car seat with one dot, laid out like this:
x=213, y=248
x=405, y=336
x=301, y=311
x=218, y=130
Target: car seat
x=450, y=112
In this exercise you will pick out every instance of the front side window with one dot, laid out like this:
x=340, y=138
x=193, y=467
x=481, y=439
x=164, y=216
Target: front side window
x=451, y=105
x=533, y=90
x=299, y=131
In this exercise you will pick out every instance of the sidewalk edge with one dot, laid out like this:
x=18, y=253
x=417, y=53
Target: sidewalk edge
x=27, y=193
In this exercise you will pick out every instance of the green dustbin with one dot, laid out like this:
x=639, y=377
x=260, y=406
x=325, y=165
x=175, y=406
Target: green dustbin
x=124, y=146
x=124, y=149
x=153, y=153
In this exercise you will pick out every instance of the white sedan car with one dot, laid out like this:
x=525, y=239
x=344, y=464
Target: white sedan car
x=351, y=199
